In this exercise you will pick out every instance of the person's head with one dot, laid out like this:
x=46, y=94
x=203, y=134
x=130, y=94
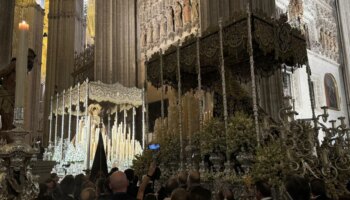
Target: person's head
x=67, y=185
x=263, y=189
x=101, y=186
x=171, y=185
x=42, y=190
x=179, y=194
x=100, y=174
x=79, y=180
x=88, y=184
x=55, y=177
x=130, y=175
x=193, y=179
x=318, y=187
x=182, y=178
x=88, y=194
x=118, y=182
x=150, y=197
x=226, y=194
x=50, y=183
x=199, y=193
x=114, y=169
x=297, y=188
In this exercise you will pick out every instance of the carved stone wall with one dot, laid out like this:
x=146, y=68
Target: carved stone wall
x=327, y=43
x=319, y=23
x=317, y=18
x=164, y=22
x=211, y=11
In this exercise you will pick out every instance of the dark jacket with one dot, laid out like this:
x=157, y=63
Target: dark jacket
x=104, y=197
x=122, y=196
x=322, y=197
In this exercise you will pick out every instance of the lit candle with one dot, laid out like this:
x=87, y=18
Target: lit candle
x=23, y=26
x=21, y=67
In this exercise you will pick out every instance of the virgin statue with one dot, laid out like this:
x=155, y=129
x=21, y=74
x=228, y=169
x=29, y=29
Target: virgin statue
x=96, y=127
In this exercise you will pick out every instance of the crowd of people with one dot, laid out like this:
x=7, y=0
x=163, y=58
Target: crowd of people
x=118, y=185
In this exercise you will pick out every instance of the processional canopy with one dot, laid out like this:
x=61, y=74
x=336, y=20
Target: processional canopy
x=275, y=42
x=120, y=97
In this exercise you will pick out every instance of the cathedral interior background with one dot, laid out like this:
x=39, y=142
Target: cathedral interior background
x=239, y=90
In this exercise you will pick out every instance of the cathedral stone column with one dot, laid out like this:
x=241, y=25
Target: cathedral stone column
x=115, y=42
x=33, y=14
x=343, y=17
x=103, y=40
x=65, y=38
x=6, y=26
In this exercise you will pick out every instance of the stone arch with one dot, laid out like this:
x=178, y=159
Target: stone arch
x=331, y=91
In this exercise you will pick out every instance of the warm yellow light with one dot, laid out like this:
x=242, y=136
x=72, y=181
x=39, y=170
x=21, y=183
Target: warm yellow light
x=23, y=26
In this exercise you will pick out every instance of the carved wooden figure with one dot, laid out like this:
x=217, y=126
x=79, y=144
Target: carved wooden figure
x=187, y=11
x=163, y=26
x=143, y=36
x=149, y=34
x=156, y=27
x=178, y=16
x=195, y=10
x=170, y=19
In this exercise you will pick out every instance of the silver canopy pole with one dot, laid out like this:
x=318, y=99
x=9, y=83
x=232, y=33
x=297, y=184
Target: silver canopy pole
x=50, y=118
x=252, y=73
x=201, y=95
x=62, y=125
x=70, y=114
x=77, y=108
x=88, y=130
x=56, y=121
x=162, y=88
x=143, y=118
x=179, y=103
x=223, y=82
x=133, y=130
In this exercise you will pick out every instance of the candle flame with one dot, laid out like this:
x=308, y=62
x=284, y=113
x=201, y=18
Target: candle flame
x=23, y=25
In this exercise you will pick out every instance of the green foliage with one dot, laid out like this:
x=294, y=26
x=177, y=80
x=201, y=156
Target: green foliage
x=169, y=152
x=241, y=132
x=270, y=163
x=141, y=162
x=212, y=136
x=170, y=149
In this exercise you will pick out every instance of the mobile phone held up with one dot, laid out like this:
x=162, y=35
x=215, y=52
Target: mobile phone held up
x=154, y=147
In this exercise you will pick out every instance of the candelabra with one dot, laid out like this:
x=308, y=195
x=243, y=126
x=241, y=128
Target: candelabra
x=307, y=155
x=16, y=179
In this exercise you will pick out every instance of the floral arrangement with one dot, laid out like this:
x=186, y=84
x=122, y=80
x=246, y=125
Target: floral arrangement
x=211, y=138
x=241, y=132
x=270, y=161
